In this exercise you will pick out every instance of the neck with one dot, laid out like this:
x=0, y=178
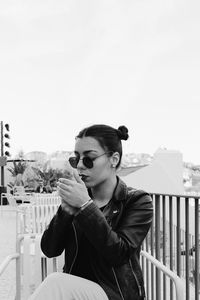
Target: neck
x=103, y=192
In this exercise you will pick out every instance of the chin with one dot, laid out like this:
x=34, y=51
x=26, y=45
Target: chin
x=89, y=184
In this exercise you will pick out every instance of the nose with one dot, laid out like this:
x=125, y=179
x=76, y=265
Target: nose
x=80, y=165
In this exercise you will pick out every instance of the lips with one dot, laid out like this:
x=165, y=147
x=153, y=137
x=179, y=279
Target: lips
x=83, y=177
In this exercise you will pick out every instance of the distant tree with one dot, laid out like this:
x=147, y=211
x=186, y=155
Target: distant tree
x=17, y=171
x=48, y=175
x=45, y=174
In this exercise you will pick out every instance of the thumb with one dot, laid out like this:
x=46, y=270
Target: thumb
x=77, y=177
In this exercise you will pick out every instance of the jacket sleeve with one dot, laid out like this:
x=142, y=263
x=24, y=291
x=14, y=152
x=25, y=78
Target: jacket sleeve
x=118, y=244
x=54, y=237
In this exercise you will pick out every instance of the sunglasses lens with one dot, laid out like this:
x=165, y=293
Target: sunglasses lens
x=73, y=162
x=88, y=163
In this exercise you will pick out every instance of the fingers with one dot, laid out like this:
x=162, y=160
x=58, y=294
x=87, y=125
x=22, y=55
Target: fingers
x=65, y=181
x=70, y=181
x=62, y=193
x=77, y=177
x=64, y=187
x=69, y=175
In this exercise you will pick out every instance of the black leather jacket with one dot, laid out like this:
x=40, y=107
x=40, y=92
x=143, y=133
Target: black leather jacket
x=116, y=234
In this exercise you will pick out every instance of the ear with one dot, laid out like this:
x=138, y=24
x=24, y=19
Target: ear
x=115, y=159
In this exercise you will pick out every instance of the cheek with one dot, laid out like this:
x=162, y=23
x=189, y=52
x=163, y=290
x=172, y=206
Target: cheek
x=97, y=176
x=102, y=172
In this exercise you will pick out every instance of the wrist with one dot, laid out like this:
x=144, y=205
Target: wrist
x=83, y=206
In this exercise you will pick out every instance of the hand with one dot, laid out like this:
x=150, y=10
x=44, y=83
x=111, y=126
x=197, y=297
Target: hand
x=73, y=191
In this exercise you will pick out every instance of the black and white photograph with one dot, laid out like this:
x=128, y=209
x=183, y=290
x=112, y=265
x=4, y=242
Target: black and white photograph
x=100, y=152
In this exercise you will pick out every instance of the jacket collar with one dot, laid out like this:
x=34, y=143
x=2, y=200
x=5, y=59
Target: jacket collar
x=120, y=192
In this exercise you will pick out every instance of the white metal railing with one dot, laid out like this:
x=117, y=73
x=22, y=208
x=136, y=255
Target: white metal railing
x=152, y=269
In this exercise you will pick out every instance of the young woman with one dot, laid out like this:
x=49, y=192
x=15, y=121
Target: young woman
x=100, y=225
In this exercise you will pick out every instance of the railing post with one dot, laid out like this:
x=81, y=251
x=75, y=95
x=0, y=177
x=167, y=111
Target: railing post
x=178, y=240
x=197, y=257
x=187, y=270
x=164, y=242
x=157, y=243
x=152, y=249
x=171, y=241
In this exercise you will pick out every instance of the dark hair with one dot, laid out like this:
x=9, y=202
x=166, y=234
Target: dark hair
x=108, y=137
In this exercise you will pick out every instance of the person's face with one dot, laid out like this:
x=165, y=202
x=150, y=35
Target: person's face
x=101, y=170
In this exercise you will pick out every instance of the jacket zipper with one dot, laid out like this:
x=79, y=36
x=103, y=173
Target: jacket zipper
x=138, y=284
x=76, y=248
x=118, y=284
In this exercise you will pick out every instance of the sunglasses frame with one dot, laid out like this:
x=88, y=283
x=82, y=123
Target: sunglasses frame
x=73, y=160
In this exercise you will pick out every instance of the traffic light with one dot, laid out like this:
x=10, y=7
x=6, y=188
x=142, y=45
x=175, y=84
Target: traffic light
x=4, y=155
x=4, y=142
x=7, y=127
x=6, y=136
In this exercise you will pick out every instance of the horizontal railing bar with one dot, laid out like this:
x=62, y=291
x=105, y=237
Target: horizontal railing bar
x=178, y=195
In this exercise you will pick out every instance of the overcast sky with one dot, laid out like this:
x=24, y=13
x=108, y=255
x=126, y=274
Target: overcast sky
x=68, y=64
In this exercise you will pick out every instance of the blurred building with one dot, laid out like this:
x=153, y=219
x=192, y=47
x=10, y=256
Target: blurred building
x=163, y=175
x=38, y=156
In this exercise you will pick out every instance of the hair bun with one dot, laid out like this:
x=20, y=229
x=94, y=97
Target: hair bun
x=122, y=133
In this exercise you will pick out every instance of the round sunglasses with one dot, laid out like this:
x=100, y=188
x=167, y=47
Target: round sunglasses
x=87, y=161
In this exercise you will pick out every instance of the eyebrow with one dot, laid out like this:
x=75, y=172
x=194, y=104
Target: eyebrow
x=86, y=152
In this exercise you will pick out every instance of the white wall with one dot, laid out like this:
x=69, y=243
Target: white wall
x=163, y=175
